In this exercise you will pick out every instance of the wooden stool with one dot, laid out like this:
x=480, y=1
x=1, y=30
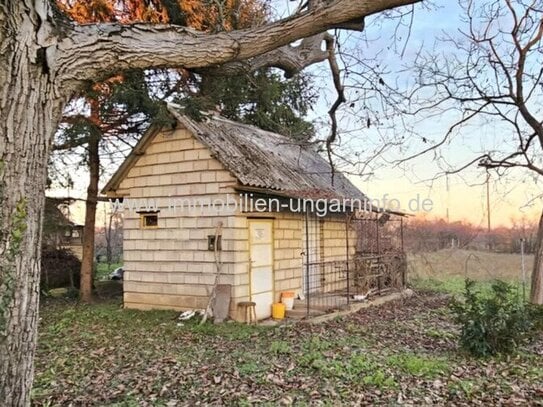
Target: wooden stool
x=249, y=311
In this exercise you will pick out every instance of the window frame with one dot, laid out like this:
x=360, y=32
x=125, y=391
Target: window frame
x=144, y=215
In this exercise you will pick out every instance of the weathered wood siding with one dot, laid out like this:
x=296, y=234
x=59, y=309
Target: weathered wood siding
x=334, y=248
x=287, y=249
x=289, y=235
x=333, y=238
x=288, y=252
x=170, y=266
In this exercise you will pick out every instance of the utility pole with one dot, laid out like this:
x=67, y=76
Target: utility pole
x=488, y=209
x=523, y=268
x=448, y=196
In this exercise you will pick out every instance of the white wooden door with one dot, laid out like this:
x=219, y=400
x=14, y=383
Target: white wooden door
x=311, y=236
x=261, y=256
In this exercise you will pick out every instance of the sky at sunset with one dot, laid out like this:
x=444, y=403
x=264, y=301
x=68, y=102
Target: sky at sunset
x=460, y=197
x=513, y=195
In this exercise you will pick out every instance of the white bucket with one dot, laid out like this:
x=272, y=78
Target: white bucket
x=289, y=302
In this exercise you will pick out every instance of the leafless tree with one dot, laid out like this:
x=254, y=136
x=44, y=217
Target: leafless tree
x=488, y=74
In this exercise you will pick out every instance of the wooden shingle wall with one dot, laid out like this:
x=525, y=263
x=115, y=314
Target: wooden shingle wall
x=170, y=266
x=334, y=248
x=288, y=249
x=333, y=238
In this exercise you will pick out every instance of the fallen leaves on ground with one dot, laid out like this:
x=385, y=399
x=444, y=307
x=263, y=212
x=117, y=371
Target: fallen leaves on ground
x=399, y=353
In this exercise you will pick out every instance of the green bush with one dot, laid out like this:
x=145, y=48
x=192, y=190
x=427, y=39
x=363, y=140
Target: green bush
x=535, y=313
x=59, y=268
x=495, y=322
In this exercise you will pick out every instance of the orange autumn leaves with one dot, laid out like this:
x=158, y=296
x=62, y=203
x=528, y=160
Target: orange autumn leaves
x=91, y=11
x=202, y=15
x=226, y=15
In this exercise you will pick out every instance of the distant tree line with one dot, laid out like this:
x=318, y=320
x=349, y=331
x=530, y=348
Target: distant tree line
x=421, y=234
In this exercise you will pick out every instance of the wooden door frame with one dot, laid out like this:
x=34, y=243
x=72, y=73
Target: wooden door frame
x=271, y=222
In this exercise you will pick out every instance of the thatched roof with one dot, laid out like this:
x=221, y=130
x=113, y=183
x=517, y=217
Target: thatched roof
x=259, y=159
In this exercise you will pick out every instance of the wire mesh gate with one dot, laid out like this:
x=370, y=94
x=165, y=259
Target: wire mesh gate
x=373, y=262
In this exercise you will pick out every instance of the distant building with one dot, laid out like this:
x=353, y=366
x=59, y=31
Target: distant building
x=58, y=230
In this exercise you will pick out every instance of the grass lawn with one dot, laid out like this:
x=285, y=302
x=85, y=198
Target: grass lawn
x=402, y=352
x=103, y=271
x=446, y=270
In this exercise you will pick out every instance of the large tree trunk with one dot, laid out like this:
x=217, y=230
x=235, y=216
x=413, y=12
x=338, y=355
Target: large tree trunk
x=536, y=294
x=87, y=263
x=28, y=106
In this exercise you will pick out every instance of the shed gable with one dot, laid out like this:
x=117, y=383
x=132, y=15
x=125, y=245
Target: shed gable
x=173, y=163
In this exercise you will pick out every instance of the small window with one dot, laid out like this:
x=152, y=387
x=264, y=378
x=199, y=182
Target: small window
x=149, y=220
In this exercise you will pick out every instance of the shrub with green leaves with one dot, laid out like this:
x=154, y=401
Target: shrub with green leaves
x=495, y=322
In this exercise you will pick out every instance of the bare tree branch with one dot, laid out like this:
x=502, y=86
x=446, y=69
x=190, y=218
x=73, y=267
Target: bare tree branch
x=117, y=47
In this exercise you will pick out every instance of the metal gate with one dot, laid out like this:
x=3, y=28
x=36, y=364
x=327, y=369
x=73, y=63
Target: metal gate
x=375, y=264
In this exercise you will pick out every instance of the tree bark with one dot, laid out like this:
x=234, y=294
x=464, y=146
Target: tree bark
x=289, y=58
x=114, y=47
x=536, y=293
x=107, y=236
x=87, y=263
x=29, y=105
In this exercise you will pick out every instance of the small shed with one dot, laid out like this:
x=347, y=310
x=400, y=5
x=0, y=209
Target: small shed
x=272, y=196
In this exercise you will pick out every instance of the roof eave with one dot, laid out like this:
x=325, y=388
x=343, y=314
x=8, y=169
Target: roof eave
x=284, y=194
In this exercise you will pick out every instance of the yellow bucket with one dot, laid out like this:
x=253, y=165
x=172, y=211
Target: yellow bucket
x=278, y=310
